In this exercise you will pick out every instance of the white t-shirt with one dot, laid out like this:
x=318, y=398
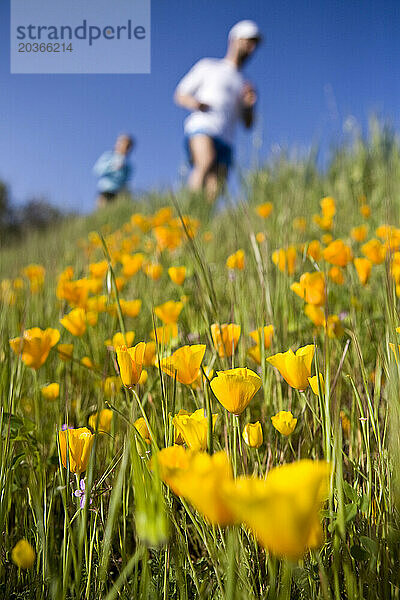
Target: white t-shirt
x=218, y=83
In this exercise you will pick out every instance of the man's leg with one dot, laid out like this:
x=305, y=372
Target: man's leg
x=101, y=201
x=203, y=156
x=105, y=198
x=215, y=181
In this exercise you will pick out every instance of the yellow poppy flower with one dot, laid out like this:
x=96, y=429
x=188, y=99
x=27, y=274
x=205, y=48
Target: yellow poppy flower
x=285, y=260
x=35, y=345
x=118, y=339
x=23, y=555
x=390, y=235
x=359, y=233
x=255, y=353
x=393, y=243
x=374, y=250
x=193, y=428
x=74, y=292
x=142, y=222
x=50, y=391
x=284, y=422
x=95, y=286
x=363, y=267
x=327, y=238
x=173, y=463
x=315, y=314
x=225, y=338
x=111, y=386
x=153, y=270
x=75, y=322
x=7, y=295
x=325, y=223
x=102, y=422
x=143, y=377
x=335, y=274
x=313, y=381
x=265, y=209
x=141, y=427
x=260, y=237
x=18, y=283
x=334, y=327
x=120, y=283
x=291, y=255
x=80, y=443
x=184, y=363
x=283, y=510
x=235, y=388
x=200, y=479
x=188, y=225
x=311, y=288
x=130, y=308
x=236, y=260
x=365, y=210
x=345, y=422
x=169, y=311
x=253, y=434
x=328, y=206
x=149, y=357
x=92, y=318
x=267, y=330
x=94, y=239
x=97, y=304
x=167, y=238
x=395, y=267
x=67, y=274
x=384, y=231
x=87, y=362
x=294, y=368
x=131, y=264
x=35, y=274
x=178, y=439
x=338, y=253
x=314, y=250
x=165, y=334
x=177, y=274
x=99, y=269
x=130, y=362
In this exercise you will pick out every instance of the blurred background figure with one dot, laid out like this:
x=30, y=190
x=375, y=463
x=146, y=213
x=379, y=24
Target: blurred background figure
x=217, y=95
x=113, y=170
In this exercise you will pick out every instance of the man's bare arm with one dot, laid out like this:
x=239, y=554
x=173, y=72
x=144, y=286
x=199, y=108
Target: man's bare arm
x=249, y=100
x=189, y=102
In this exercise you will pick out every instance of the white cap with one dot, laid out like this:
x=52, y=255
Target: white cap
x=244, y=30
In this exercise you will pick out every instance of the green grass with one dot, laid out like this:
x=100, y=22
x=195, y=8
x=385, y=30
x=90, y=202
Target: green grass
x=137, y=539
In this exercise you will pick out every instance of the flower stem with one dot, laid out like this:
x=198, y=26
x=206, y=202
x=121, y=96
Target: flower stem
x=234, y=447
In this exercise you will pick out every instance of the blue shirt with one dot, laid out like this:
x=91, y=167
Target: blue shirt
x=113, y=171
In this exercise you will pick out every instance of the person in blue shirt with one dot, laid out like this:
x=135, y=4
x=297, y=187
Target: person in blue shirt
x=113, y=170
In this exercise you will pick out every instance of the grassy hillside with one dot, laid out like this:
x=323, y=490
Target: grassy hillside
x=153, y=502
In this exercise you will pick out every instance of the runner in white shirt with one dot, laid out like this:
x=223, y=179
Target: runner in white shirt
x=218, y=97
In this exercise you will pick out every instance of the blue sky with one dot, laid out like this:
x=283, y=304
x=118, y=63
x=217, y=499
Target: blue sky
x=322, y=61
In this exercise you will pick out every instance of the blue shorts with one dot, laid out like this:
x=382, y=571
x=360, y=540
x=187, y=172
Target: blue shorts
x=223, y=151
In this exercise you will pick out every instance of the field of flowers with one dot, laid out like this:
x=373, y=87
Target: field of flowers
x=202, y=404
